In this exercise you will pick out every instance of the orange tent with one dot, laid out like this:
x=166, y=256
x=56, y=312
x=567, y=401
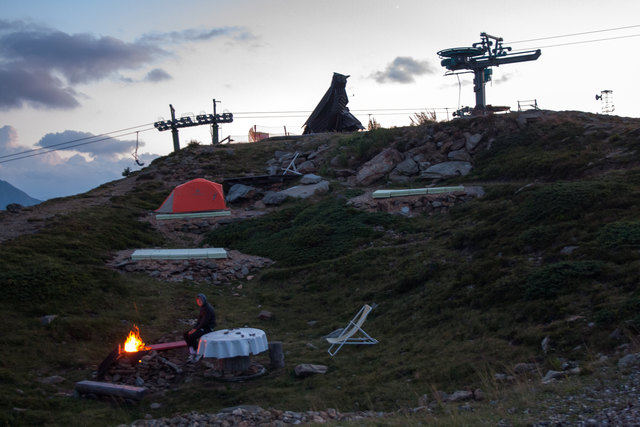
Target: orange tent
x=198, y=195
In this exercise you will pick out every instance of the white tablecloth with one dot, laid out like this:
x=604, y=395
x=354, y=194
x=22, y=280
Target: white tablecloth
x=233, y=342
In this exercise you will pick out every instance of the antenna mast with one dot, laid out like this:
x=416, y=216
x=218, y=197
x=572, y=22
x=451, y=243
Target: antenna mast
x=606, y=100
x=478, y=59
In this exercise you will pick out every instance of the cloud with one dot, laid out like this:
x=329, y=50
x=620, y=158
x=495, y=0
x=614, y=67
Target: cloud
x=191, y=35
x=39, y=66
x=503, y=79
x=157, y=75
x=403, y=69
x=88, y=143
x=37, y=87
x=52, y=175
x=8, y=141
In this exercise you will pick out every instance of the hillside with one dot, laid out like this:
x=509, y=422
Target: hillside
x=531, y=268
x=10, y=194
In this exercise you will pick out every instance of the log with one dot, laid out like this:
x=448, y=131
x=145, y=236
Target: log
x=167, y=345
x=276, y=355
x=124, y=391
x=106, y=363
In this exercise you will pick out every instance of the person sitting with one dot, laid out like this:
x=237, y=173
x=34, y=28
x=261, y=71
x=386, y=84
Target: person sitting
x=205, y=324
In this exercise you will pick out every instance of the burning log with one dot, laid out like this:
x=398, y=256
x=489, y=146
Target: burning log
x=133, y=348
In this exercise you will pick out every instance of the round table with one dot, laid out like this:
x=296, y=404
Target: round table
x=227, y=343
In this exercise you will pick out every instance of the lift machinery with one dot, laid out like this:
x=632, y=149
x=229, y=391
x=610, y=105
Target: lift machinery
x=479, y=58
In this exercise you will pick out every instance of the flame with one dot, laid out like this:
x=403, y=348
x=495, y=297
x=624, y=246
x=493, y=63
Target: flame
x=133, y=342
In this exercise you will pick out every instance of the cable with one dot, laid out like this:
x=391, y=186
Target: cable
x=70, y=146
x=579, y=42
x=575, y=34
x=74, y=140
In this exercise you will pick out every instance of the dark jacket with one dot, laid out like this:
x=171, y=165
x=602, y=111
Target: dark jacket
x=207, y=316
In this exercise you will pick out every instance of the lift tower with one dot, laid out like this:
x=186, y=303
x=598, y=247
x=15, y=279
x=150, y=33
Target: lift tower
x=478, y=59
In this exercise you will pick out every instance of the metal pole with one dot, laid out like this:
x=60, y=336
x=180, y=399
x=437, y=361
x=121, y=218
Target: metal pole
x=478, y=88
x=214, y=126
x=174, y=130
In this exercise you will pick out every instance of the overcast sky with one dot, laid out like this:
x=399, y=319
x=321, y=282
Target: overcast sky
x=70, y=70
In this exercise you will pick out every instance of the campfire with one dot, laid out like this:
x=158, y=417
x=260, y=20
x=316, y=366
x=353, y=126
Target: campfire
x=133, y=343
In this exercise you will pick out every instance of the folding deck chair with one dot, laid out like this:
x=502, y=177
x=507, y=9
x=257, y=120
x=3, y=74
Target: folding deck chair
x=347, y=335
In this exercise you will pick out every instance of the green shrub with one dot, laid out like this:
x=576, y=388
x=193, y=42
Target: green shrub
x=559, y=278
x=562, y=201
x=623, y=233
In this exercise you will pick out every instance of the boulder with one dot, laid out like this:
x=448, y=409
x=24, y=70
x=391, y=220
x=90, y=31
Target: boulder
x=305, y=191
x=472, y=141
x=627, y=363
x=240, y=191
x=274, y=198
x=447, y=169
x=407, y=167
x=310, y=179
x=378, y=167
x=306, y=167
x=459, y=155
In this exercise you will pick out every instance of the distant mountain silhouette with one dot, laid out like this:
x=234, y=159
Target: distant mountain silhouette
x=10, y=194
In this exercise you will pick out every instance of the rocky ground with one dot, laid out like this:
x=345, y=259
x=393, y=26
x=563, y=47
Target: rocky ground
x=609, y=397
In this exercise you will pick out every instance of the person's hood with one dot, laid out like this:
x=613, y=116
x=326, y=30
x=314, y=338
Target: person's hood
x=203, y=298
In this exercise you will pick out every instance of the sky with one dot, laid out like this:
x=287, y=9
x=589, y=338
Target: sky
x=98, y=74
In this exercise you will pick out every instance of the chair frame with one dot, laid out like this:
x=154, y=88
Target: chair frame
x=347, y=335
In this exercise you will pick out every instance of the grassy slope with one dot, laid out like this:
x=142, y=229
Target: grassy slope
x=459, y=295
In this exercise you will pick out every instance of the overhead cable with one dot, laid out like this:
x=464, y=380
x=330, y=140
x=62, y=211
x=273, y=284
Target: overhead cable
x=575, y=34
x=74, y=140
x=40, y=152
x=579, y=42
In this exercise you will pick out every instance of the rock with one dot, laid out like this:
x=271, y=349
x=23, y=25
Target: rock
x=306, y=167
x=440, y=396
x=240, y=191
x=307, y=369
x=503, y=378
x=545, y=344
x=460, y=155
x=283, y=156
x=55, y=379
x=265, y=315
x=522, y=368
x=378, y=167
x=460, y=396
x=274, y=198
x=479, y=395
x=474, y=190
x=458, y=144
x=310, y=179
x=568, y=250
x=423, y=400
x=552, y=375
x=472, y=141
x=14, y=207
x=46, y=320
x=627, y=363
x=446, y=170
x=305, y=191
x=155, y=405
x=407, y=167
x=139, y=382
